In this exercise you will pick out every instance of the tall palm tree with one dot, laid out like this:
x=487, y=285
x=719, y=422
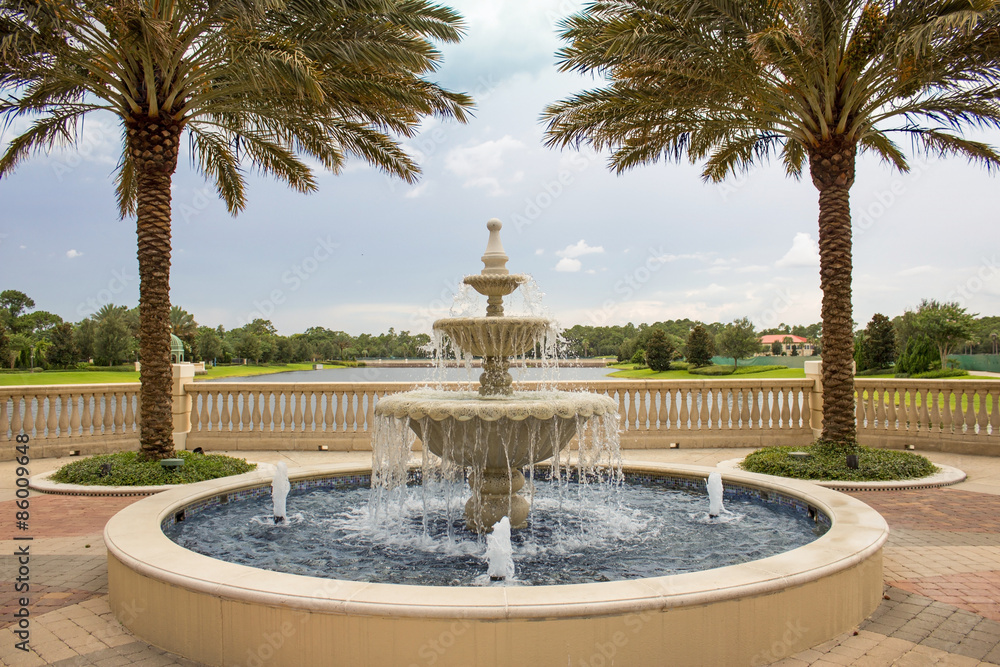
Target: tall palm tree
x=814, y=81
x=182, y=324
x=264, y=82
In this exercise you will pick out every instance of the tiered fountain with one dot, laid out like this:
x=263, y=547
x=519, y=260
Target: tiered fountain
x=497, y=431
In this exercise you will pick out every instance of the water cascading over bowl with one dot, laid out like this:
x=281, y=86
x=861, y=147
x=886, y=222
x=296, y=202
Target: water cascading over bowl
x=495, y=432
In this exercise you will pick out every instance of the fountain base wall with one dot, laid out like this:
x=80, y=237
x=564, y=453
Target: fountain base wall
x=754, y=613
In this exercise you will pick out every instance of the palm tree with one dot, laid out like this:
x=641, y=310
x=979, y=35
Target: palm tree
x=261, y=82
x=182, y=324
x=810, y=80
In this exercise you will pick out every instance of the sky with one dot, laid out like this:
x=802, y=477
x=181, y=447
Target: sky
x=366, y=252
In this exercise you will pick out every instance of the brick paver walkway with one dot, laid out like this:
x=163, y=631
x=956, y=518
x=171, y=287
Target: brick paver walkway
x=942, y=575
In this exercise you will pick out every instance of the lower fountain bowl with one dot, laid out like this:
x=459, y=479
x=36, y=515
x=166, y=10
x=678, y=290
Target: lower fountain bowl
x=220, y=613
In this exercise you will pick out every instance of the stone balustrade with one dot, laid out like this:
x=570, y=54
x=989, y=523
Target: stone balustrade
x=947, y=415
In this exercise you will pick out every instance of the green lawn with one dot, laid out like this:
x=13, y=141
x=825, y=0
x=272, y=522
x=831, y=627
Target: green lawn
x=107, y=377
x=647, y=374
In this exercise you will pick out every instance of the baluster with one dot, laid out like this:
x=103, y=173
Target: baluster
x=16, y=423
x=744, y=408
x=266, y=416
x=769, y=398
x=970, y=410
x=256, y=414
x=904, y=411
x=74, y=415
x=725, y=418
x=890, y=423
x=40, y=417
x=685, y=414
x=994, y=413
x=703, y=395
x=214, y=420
x=200, y=401
x=226, y=416
x=654, y=409
x=316, y=414
x=788, y=397
x=370, y=412
x=793, y=398
x=109, y=412
x=674, y=414
x=29, y=420
x=622, y=413
x=286, y=413
x=197, y=410
x=949, y=412
x=52, y=424
x=329, y=416
x=642, y=413
x=878, y=394
x=119, y=414
x=351, y=404
x=87, y=421
x=243, y=404
x=713, y=417
x=755, y=410
x=310, y=411
x=982, y=418
x=4, y=417
x=934, y=401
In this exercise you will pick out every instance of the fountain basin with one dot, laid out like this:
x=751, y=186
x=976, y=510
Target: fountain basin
x=221, y=614
x=494, y=336
x=495, y=431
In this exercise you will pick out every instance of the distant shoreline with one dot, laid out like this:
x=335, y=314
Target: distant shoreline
x=530, y=363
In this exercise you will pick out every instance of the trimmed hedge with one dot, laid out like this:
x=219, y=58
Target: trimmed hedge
x=127, y=470
x=830, y=463
x=728, y=370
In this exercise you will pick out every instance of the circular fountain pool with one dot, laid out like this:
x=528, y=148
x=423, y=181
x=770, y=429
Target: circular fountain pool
x=755, y=612
x=576, y=533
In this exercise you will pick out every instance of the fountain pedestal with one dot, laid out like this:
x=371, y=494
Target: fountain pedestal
x=496, y=431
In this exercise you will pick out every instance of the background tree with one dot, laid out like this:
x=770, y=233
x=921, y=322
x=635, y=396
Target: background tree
x=659, y=351
x=208, y=344
x=878, y=349
x=700, y=346
x=18, y=346
x=64, y=352
x=113, y=339
x=946, y=325
x=813, y=80
x=263, y=83
x=738, y=340
x=776, y=348
x=13, y=305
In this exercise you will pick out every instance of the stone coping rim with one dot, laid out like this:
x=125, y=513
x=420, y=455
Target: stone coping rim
x=543, y=405
x=135, y=539
x=946, y=476
x=43, y=484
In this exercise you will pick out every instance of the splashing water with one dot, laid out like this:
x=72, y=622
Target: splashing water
x=279, y=491
x=499, y=552
x=714, y=485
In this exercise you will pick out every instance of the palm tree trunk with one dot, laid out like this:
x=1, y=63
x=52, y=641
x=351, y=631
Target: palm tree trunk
x=153, y=147
x=831, y=166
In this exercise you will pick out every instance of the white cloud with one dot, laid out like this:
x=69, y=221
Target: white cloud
x=482, y=165
x=569, y=262
x=569, y=265
x=73, y=253
x=917, y=270
x=579, y=249
x=804, y=252
x=417, y=190
x=540, y=252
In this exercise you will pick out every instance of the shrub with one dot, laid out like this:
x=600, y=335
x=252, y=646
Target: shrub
x=945, y=373
x=638, y=358
x=829, y=463
x=919, y=356
x=728, y=370
x=127, y=470
x=874, y=371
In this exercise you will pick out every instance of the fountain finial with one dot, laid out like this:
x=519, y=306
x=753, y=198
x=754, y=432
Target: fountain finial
x=495, y=259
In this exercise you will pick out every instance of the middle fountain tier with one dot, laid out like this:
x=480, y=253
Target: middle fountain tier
x=495, y=432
